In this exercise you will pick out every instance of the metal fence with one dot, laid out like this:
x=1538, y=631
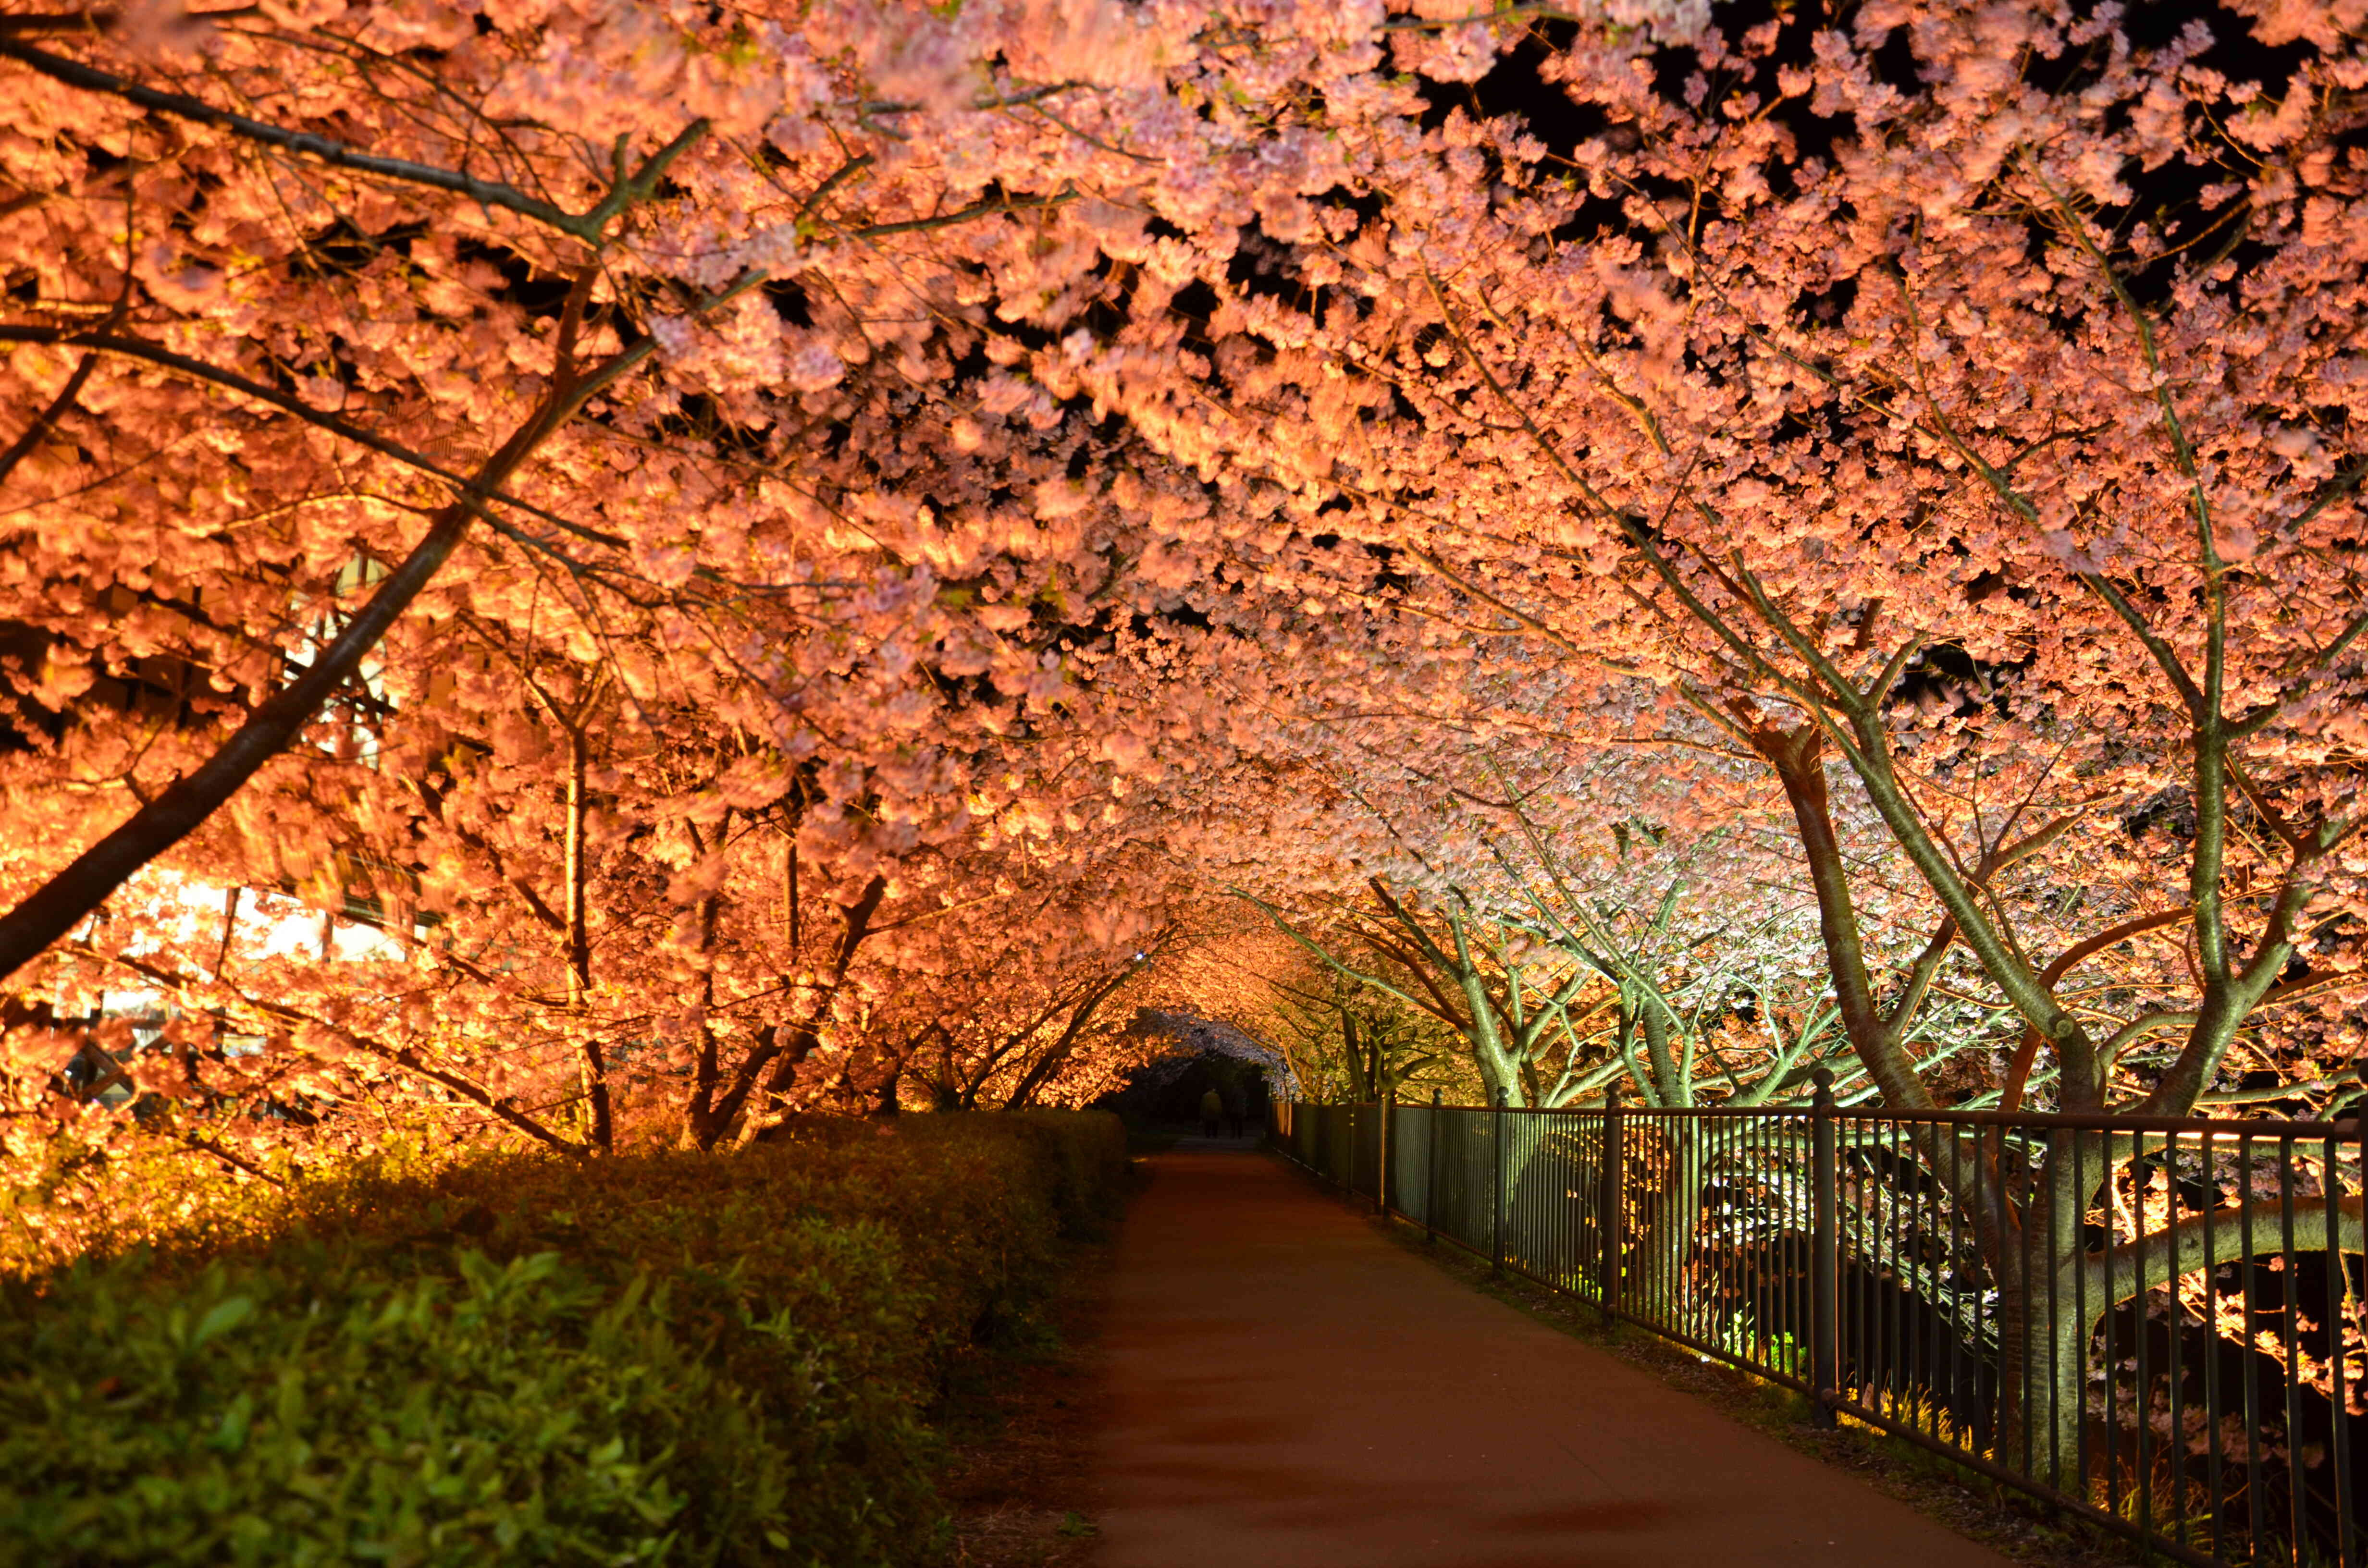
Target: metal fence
x=2159, y=1324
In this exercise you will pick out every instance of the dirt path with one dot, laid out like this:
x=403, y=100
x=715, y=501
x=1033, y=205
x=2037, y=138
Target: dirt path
x=1289, y=1390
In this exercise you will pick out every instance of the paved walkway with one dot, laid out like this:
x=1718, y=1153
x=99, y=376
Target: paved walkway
x=1289, y=1389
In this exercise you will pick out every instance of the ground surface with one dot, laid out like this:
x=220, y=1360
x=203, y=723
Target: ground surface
x=1971, y=1505
x=1283, y=1385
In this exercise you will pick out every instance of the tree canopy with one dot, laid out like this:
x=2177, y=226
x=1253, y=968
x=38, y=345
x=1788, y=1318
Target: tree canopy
x=573, y=571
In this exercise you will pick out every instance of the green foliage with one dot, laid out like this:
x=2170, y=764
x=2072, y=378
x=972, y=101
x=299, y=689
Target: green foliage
x=682, y=1358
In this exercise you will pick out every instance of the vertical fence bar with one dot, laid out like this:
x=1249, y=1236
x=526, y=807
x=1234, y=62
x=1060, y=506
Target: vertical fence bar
x=2058, y=1195
x=1497, y=1186
x=2339, y=1313
x=1664, y=1232
x=2107, y=1361
x=2141, y=1401
x=2038, y=1223
x=1721, y=1219
x=2175, y=1445
x=1669, y=1297
x=2289, y=1313
x=1881, y=1178
x=1646, y=1298
x=2080, y=1195
x=1666, y=1150
x=1388, y=1111
x=2257, y=1521
x=1608, y=1163
x=1701, y=1299
x=2215, y=1468
x=1371, y=1134
x=1360, y=1128
x=1685, y=1295
x=1918, y=1349
x=1959, y=1405
x=1857, y=1238
x=1516, y=1246
x=1559, y=1215
x=1431, y=1173
x=1825, y=1261
x=1895, y=1297
x=1791, y=1259
x=1926, y=1240
x=1751, y=1282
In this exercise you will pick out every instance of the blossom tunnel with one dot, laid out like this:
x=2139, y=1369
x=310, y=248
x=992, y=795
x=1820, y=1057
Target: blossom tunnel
x=585, y=581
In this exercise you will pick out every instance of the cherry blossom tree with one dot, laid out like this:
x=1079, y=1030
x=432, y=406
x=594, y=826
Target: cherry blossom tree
x=1951, y=409
x=751, y=559
x=440, y=418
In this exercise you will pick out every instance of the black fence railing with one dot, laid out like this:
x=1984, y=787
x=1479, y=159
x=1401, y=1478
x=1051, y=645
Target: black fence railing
x=2160, y=1324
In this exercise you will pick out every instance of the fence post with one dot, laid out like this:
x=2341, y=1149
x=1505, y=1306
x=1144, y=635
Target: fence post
x=1825, y=1263
x=1607, y=1206
x=1382, y=1151
x=1430, y=1175
x=1497, y=1188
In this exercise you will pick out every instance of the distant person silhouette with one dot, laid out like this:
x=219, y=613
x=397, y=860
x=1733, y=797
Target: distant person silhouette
x=1212, y=1108
x=1234, y=1113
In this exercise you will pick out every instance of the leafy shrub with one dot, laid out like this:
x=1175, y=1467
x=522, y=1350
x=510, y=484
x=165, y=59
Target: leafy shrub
x=70, y=1196
x=653, y=1358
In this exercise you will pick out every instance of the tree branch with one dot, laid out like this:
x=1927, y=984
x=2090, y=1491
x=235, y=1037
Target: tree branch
x=405, y=1057
x=2144, y=1262
x=589, y=226
x=50, y=415
x=2025, y=1054
x=55, y=908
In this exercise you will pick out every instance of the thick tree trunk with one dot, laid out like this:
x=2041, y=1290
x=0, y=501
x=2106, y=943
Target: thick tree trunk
x=2043, y=1331
x=2042, y=1341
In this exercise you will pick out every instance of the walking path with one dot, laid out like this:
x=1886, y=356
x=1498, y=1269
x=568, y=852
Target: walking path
x=1289, y=1389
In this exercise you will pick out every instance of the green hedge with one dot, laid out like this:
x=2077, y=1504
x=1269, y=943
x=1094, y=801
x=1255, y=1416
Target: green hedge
x=675, y=1359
